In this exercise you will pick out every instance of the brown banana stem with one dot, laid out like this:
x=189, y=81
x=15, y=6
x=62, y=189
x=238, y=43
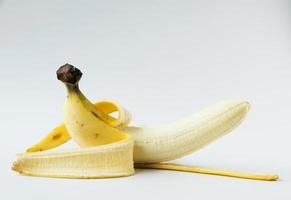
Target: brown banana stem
x=204, y=170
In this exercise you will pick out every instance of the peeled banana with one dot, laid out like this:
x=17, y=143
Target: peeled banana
x=109, y=147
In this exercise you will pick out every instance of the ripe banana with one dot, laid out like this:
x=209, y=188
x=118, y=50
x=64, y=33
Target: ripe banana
x=106, y=143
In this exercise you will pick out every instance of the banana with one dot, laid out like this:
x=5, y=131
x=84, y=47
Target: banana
x=109, y=147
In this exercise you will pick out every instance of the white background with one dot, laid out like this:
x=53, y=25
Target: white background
x=162, y=60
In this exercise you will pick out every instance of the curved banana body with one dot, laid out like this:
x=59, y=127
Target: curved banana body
x=174, y=140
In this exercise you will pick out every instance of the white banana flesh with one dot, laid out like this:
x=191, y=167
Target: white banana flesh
x=171, y=141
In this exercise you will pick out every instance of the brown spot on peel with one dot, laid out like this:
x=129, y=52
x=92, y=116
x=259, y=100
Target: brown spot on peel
x=57, y=136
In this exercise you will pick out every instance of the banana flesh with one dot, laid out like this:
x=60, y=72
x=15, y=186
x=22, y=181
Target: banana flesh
x=174, y=140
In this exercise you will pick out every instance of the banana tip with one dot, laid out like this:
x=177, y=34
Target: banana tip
x=274, y=178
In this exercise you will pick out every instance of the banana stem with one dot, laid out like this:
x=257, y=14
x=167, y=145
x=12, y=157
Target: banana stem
x=204, y=170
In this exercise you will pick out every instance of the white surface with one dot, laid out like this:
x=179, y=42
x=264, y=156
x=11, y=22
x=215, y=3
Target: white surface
x=162, y=60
